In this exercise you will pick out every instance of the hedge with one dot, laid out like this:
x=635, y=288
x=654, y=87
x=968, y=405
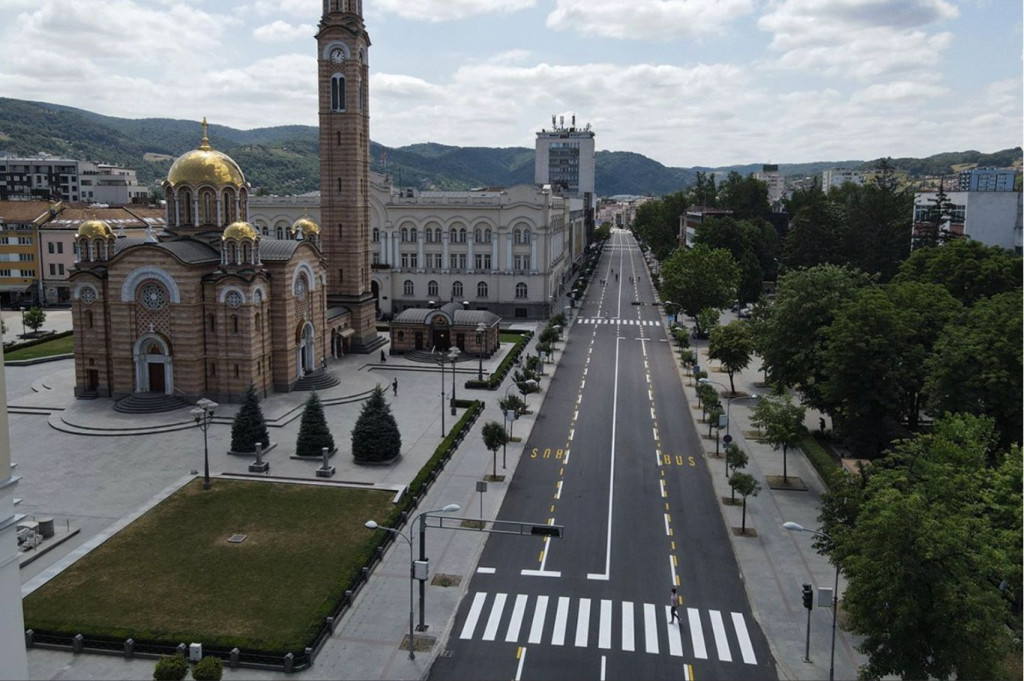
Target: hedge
x=35, y=341
x=498, y=376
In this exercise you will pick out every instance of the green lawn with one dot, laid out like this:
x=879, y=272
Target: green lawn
x=509, y=337
x=820, y=458
x=57, y=346
x=171, y=576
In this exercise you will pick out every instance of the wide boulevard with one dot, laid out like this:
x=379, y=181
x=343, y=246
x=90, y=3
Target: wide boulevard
x=614, y=458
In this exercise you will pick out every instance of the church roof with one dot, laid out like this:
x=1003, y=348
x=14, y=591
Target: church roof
x=278, y=249
x=189, y=251
x=459, y=317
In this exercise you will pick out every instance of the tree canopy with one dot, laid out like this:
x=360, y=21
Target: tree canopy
x=375, y=436
x=700, y=277
x=733, y=346
x=969, y=270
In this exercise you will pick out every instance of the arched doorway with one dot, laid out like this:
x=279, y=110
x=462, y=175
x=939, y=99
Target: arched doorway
x=305, y=355
x=154, y=366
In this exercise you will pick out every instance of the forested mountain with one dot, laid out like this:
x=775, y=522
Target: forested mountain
x=285, y=159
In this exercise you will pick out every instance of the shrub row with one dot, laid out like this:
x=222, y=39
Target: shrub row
x=35, y=341
x=498, y=376
x=823, y=462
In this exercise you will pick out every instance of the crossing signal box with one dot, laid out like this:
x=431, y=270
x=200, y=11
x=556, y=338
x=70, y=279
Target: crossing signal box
x=808, y=596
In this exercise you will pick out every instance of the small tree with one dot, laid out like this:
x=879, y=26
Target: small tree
x=549, y=335
x=747, y=486
x=249, y=426
x=210, y=668
x=3, y=328
x=544, y=348
x=735, y=459
x=375, y=437
x=783, y=425
x=513, y=407
x=733, y=346
x=171, y=668
x=707, y=319
x=314, y=434
x=494, y=437
x=34, y=318
x=715, y=411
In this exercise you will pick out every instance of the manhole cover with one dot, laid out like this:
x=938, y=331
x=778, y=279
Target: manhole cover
x=237, y=538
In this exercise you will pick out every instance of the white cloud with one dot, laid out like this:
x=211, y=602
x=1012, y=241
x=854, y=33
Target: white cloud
x=448, y=10
x=899, y=91
x=281, y=32
x=646, y=19
x=295, y=8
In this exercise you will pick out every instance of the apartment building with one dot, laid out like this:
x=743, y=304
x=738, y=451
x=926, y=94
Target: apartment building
x=49, y=178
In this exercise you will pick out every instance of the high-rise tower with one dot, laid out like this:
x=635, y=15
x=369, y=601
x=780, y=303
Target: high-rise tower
x=343, y=49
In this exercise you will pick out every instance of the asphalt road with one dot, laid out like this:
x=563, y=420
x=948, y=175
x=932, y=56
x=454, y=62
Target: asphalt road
x=615, y=459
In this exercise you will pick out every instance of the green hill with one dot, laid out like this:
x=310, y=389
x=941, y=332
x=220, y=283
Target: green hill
x=285, y=159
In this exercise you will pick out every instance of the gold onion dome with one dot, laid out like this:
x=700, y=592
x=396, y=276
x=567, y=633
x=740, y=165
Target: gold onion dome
x=240, y=230
x=305, y=226
x=205, y=165
x=94, y=229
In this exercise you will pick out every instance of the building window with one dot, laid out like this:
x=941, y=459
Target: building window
x=211, y=322
x=407, y=288
x=404, y=235
x=457, y=289
x=413, y=236
x=521, y=262
x=53, y=270
x=481, y=289
x=88, y=318
x=376, y=235
x=49, y=247
x=526, y=236
x=152, y=296
x=60, y=269
x=213, y=369
x=234, y=323
x=432, y=289
x=482, y=261
x=517, y=237
x=338, y=92
x=375, y=259
x=521, y=290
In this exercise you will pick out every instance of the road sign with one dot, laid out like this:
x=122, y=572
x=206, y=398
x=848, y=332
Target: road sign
x=727, y=439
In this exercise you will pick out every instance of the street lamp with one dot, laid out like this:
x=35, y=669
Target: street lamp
x=797, y=527
x=510, y=416
x=23, y=322
x=450, y=508
x=372, y=525
x=480, y=330
x=203, y=414
x=728, y=414
x=526, y=388
x=453, y=354
x=440, y=361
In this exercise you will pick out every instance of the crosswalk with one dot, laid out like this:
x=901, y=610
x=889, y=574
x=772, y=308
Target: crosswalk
x=618, y=322
x=642, y=627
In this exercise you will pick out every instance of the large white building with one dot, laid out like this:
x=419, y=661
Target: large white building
x=506, y=251
x=565, y=159
x=837, y=177
x=770, y=175
x=62, y=179
x=992, y=217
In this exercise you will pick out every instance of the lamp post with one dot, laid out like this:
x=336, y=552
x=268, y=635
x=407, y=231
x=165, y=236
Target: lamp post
x=450, y=508
x=480, y=330
x=797, y=527
x=526, y=389
x=453, y=354
x=23, y=322
x=728, y=414
x=440, y=361
x=510, y=418
x=203, y=414
x=372, y=525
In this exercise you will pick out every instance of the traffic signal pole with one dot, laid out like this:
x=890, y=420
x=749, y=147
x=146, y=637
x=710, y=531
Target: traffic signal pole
x=808, y=595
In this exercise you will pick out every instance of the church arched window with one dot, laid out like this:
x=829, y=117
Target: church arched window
x=186, y=204
x=478, y=236
x=208, y=208
x=487, y=236
x=413, y=235
x=230, y=215
x=407, y=288
x=526, y=236
x=279, y=232
x=337, y=92
x=462, y=235
x=437, y=235
x=405, y=235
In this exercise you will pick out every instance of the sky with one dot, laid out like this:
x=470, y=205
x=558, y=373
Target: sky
x=685, y=82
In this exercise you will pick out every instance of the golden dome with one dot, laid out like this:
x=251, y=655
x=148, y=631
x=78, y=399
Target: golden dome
x=306, y=226
x=205, y=165
x=94, y=229
x=240, y=230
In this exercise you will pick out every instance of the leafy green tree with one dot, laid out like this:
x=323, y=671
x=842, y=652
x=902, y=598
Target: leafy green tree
x=375, y=436
x=549, y=335
x=933, y=227
x=976, y=364
x=746, y=486
x=790, y=335
x=698, y=278
x=314, y=434
x=603, y=232
x=924, y=547
x=782, y=423
x=733, y=346
x=249, y=427
x=746, y=197
x=656, y=223
x=707, y=321
x=512, y=404
x=494, y=436
x=34, y=318
x=704, y=193
x=735, y=459
x=816, y=234
x=968, y=269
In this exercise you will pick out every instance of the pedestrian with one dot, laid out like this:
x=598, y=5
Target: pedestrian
x=383, y=357
x=672, y=606
x=616, y=276
x=394, y=387
x=821, y=425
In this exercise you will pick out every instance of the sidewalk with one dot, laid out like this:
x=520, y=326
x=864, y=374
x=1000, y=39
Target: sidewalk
x=776, y=562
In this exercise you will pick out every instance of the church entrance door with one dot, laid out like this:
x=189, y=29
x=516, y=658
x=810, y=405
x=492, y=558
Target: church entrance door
x=441, y=341
x=419, y=340
x=156, y=377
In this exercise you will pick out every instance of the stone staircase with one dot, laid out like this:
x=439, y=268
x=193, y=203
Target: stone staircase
x=149, y=403
x=320, y=379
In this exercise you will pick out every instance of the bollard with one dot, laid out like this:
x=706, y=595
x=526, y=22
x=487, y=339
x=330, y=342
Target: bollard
x=77, y=643
x=309, y=655
x=183, y=650
x=329, y=621
x=348, y=596
x=289, y=663
x=129, y=648
x=233, y=658
x=29, y=636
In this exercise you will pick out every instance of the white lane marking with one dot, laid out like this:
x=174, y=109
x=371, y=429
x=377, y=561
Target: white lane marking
x=519, y=669
x=604, y=662
x=473, y=616
x=572, y=432
x=672, y=569
x=650, y=395
x=558, y=490
x=604, y=637
x=485, y=570
x=651, y=628
x=746, y=648
x=653, y=416
x=583, y=623
x=700, y=651
x=686, y=672
x=611, y=474
x=675, y=643
x=655, y=434
x=663, y=492
x=668, y=530
x=721, y=642
x=539, y=614
x=566, y=457
x=583, y=384
x=512, y=635
x=540, y=573
x=495, y=618
x=561, y=619
x=628, y=635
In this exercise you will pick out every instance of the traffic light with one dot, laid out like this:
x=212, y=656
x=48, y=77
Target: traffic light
x=808, y=597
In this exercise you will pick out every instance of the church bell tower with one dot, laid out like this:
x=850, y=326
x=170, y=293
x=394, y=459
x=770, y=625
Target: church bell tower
x=343, y=67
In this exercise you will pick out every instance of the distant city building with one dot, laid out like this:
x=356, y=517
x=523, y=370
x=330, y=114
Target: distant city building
x=693, y=218
x=992, y=217
x=619, y=210
x=19, y=249
x=565, y=158
x=770, y=175
x=987, y=180
x=837, y=177
x=60, y=179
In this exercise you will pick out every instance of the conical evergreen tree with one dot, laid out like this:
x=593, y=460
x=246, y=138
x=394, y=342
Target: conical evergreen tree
x=249, y=426
x=314, y=434
x=375, y=436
